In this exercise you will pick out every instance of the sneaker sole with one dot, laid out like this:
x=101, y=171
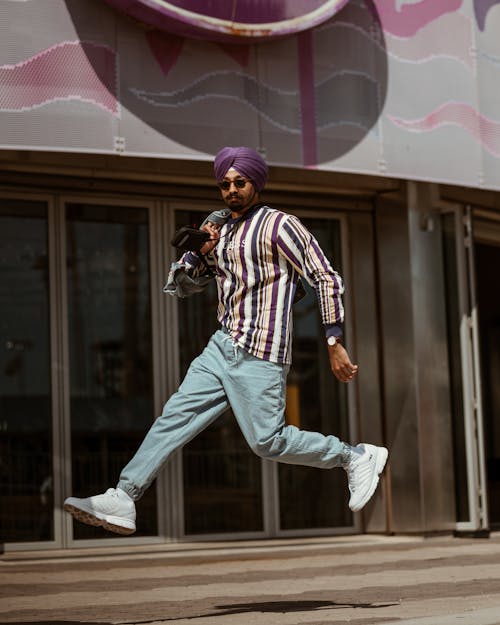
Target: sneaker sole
x=92, y=519
x=382, y=455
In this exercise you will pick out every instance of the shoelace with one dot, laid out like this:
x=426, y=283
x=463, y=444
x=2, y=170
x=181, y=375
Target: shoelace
x=352, y=480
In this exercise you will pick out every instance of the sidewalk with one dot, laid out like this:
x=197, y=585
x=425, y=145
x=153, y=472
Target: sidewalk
x=360, y=580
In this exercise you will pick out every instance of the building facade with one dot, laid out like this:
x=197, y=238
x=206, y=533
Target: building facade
x=380, y=126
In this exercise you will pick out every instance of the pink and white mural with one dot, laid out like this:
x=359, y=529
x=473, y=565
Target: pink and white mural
x=406, y=88
x=65, y=71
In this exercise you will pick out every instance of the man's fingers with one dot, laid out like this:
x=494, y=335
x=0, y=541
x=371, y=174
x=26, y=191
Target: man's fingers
x=341, y=365
x=213, y=231
x=346, y=373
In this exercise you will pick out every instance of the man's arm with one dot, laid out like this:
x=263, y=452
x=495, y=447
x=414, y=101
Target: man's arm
x=190, y=273
x=303, y=252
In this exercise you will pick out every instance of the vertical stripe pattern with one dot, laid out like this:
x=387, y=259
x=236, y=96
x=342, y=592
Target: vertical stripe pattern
x=258, y=263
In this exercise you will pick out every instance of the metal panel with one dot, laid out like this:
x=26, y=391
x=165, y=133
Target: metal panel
x=399, y=362
x=471, y=379
x=415, y=364
x=431, y=362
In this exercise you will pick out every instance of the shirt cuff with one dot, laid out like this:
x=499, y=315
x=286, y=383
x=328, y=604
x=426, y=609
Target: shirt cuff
x=333, y=329
x=192, y=259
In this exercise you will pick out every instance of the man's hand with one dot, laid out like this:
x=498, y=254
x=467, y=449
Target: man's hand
x=340, y=363
x=213, y=231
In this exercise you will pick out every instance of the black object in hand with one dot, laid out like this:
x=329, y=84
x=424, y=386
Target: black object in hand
x=189, y=239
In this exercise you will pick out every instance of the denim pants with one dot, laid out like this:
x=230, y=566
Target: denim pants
x=225, y=375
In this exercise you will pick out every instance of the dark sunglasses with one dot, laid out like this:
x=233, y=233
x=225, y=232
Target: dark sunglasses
x=239, y=183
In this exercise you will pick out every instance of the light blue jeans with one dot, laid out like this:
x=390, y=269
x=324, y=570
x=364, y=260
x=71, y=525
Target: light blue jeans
x=225, y=375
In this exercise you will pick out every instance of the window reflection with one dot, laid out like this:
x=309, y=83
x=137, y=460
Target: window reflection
x=26, y=481
x=110, y=349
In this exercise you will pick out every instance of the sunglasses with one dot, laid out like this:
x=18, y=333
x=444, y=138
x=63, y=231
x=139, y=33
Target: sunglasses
x=239, y=183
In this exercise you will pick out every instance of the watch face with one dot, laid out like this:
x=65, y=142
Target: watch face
x=331, y=340
x=237, y=21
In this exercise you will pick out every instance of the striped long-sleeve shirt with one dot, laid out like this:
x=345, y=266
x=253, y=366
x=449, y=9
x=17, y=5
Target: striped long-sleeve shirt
x=258, y=262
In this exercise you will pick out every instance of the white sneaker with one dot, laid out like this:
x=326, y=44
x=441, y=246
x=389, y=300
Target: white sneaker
x=365, y=465
x=114, y=510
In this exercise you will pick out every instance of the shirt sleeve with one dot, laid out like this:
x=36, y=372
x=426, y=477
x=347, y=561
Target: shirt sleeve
x=191, y=263
x=188, y=275
x=303, y=252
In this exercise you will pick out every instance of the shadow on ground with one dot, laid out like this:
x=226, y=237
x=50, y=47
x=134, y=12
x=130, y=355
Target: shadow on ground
x=277, y=607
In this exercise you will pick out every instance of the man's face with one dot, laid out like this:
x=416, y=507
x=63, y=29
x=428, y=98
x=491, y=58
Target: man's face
x=237, y=192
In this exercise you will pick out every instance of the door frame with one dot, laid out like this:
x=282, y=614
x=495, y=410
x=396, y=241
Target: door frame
x=55, y=370
x=63, y=335
x=164, y=322
x=269, y=469
x=471, y=369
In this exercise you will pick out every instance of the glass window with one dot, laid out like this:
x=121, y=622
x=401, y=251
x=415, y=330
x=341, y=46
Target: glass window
x=453, y=315
x=26, y=478
x=310, y=497
x=109, y=316
x=222, y=477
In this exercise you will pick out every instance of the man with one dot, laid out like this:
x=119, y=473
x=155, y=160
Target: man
x=257, y=256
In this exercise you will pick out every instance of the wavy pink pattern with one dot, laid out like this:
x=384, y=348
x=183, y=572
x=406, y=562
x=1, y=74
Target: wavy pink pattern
x=484, y=130
x=71, y=70
x=406, y=17
x=433, y=42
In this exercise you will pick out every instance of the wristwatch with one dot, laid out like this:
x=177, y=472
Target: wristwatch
x=333, y=340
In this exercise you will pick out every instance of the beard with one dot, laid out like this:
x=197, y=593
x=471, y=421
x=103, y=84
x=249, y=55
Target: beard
x=239, y=204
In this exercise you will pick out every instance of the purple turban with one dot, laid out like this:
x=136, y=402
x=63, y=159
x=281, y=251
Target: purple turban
x=246, y=161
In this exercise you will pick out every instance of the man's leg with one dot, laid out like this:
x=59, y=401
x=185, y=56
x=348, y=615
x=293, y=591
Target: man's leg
x=256, y=390
x=198, y=402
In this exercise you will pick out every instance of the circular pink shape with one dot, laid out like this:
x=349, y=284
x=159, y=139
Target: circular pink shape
x=235, y=21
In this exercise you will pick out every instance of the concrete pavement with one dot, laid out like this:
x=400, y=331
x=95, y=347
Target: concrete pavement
x=360, y=580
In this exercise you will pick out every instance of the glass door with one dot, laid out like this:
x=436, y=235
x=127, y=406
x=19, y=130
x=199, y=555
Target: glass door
x=222, y=478
x=226, y=488
x=311, y=498
x=26, y=424
x=110, y=354
x=465, y=376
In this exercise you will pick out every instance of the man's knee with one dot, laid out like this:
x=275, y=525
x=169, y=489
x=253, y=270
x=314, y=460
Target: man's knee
x=269, y=447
